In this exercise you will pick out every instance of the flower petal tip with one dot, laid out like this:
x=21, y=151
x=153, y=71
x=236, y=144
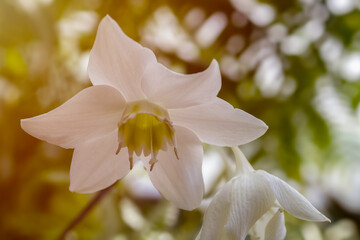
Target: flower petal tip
x=260, y=128
x=214, y=66
x=23, y=123
x=215, y=63
x=27, y=126
x=81, y=189
x=75, y=188
x=263, y=127
x=109, y=21
x=71, y=188
x=107, y=18
x=190, y=208
x=318, y=217
x=322, y=218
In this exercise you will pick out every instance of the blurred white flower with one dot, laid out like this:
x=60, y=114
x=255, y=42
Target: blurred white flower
x=248, y=201
x=140, y=110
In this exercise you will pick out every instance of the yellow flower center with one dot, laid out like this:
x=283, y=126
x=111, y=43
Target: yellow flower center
x=145, y=128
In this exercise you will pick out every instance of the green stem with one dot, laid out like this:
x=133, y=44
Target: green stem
x=85, y=211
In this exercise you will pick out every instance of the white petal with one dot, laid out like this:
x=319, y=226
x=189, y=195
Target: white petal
x=275, y=229
x=95, y=165
x=216, y=215
x=219, y=123
x=199, y=235
x=93, y=112
x=251, y=198
x=118, y=61
x=257, y=231
x=174, y=90
x=180, y=181
x=291, y=200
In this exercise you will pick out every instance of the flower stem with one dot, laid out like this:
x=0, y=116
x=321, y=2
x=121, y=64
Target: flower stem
x=242, y=164
x=85, y=211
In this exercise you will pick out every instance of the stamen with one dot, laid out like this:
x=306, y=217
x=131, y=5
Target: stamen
x=145, y=129
x=176, y=153
x=118, y=149
x=131, y=158
x=153, y=160
x=151, y=167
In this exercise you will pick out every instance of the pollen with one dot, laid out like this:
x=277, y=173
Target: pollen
x=145, y=128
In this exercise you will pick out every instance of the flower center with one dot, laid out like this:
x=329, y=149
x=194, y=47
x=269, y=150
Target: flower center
x=145, y=128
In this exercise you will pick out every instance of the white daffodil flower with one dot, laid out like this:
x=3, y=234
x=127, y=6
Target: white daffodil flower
x=140, y=110
x=254, y=199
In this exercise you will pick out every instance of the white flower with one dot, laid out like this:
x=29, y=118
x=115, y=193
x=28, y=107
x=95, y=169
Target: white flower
x=140, y=110
x=251, y=196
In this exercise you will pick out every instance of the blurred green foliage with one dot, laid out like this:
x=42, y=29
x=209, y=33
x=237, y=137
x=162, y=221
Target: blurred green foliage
x=44, y=46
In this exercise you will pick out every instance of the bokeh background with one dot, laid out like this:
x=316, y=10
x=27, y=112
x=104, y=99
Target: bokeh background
x=293, y=63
